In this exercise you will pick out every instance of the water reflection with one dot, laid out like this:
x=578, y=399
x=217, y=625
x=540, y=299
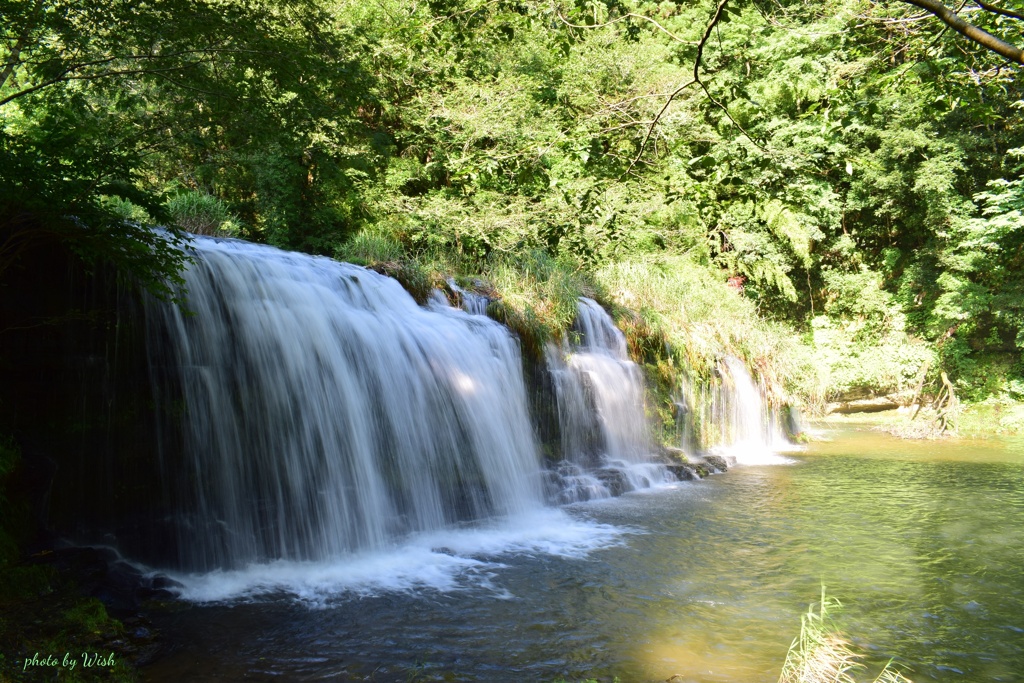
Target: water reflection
x=922, y=542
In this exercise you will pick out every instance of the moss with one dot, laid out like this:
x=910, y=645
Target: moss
x=90, y=616
x=992, y=417
x=21, y=582
x=417, y=279
x=532, y=331
x=43, y=616
x=679, y=319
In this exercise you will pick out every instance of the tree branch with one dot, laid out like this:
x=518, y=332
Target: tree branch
x=695, y=80
x=68, y=73
x=970, y=31
x=999, y=10
x=94, y=77
x=14, y=58
x=626, y=16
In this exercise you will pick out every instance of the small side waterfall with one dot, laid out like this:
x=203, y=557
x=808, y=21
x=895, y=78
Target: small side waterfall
x=325, y=412
x=471, y=301
x=743, y=427
x=606, y=441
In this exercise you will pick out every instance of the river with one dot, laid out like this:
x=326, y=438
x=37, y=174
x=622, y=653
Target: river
x=922, y=542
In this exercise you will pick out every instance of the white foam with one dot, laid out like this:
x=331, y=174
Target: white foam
x=746, y=454
x=445, y=561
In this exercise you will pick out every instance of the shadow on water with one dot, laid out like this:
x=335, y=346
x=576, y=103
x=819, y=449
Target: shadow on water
x=922, y=542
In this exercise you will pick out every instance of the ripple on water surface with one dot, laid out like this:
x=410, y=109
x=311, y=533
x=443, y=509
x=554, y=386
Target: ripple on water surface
x=923, y=543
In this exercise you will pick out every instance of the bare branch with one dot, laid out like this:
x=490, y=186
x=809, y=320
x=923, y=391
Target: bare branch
x=440, y=20
x=970, y=31
x=657, y=117
x=999, y=10
x=627, y=16
x=69, y=73
x=695, y=80
x=94, y=77
x=628, y=124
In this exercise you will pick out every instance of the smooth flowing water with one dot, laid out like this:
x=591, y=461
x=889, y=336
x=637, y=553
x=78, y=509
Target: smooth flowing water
x=738, y=421
x=606, y=442
x=923, y=542
x=324, y=415
x=327, y=413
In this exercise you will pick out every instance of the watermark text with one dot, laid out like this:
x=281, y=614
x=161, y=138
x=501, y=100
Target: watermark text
x=69, y=660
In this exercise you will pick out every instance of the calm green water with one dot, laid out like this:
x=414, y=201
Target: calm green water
x=922, y=542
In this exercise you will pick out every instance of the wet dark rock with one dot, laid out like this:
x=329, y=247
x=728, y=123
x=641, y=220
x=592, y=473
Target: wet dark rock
x=102, y=574
x=118, y=587
x=717, y=462
x=551, y=485
x=677, y=453
x=684, y=472
x=160, y=587
x=141, y=645
x=792, y=423
x=146, y=654
x=614, y=480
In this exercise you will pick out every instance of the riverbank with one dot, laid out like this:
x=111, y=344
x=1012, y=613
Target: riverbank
x=985, y=419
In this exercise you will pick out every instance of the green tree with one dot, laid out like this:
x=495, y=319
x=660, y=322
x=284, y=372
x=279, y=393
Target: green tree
x=104, y=100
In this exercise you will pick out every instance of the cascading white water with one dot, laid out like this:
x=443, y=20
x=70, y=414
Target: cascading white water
x=746, y=431
x=606, y=441
x=336, y=434
x=471, y=301
x=326, y=412
x=616, y=383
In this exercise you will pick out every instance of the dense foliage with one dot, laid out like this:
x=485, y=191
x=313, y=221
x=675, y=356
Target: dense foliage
x=850, y=171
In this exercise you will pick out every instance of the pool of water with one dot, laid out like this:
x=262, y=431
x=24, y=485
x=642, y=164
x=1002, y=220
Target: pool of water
x=922, y=542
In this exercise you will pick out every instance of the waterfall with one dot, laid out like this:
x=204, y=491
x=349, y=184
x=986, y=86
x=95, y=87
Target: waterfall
x=745, y=429
x=471, y=302
x=321, y=413
x=606, y=441
x=325, y=412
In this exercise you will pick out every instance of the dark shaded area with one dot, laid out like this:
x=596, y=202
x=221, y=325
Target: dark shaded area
x=76, y=400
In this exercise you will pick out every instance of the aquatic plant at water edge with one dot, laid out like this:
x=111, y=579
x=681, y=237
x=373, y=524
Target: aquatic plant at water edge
x=823, y=654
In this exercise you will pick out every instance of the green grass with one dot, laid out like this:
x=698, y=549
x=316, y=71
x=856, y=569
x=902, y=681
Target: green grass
x=534, y=293
x=992, y=417
x=682, y=318
x=538, y=293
